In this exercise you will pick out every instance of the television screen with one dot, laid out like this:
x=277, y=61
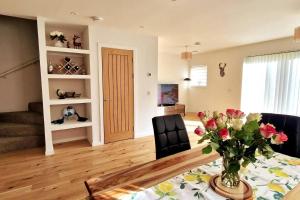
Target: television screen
x=167, y=94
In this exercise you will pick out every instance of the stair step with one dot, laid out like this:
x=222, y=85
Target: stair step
x=17, y=143
x=35, y=107
x=23, y=117
x=19, y=130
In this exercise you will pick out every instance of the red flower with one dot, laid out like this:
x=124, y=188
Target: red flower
x=230, y=112
x=201, y=115
x=238, y=114
x=199, y=131
x=267, y=130
x=279, y=138
x=224, y=133
x=211, y=124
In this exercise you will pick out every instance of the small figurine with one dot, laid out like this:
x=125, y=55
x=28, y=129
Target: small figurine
x=69, y=113
x=68, y=44
x=77, y=42
x=61, y=94
x=50, y=68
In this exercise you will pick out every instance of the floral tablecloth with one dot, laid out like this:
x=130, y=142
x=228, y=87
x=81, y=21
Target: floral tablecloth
x=269, y=178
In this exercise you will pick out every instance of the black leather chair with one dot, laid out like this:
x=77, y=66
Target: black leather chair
x=291, y=126
x=170, y=135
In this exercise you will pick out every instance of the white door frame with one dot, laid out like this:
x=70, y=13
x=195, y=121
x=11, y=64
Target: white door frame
x=135, y=53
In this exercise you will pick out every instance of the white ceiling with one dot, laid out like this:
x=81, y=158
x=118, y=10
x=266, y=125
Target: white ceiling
x=215, y=23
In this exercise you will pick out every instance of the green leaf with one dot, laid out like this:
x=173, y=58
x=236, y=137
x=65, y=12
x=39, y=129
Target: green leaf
x=261, y=198
x=214, y=145
x=246, y=162
x=205, y=137
x=207, y=149
x=278, y=196
x=234, y=167
x=266, y=151
x=288, y=186
x=250, y=127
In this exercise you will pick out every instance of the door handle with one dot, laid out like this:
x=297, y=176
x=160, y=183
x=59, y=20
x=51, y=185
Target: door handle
x=106, y=99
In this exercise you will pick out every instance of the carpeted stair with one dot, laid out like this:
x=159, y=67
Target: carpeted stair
x=22, y=130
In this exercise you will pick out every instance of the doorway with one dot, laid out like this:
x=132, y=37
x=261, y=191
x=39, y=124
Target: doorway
x=118, y=96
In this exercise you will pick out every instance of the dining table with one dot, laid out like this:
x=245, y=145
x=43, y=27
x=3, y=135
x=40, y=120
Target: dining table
x=186, y=175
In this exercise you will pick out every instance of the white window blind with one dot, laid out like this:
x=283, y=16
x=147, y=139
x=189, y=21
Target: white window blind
x=199, y=76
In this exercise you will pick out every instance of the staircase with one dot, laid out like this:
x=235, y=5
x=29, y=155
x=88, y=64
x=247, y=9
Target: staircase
x=22, y=130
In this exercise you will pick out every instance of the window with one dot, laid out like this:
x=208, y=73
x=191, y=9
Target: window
x=271, y=83
x=199, y=76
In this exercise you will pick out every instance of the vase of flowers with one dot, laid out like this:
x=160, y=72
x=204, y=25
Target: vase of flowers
x=237, y=140
x=60, y=38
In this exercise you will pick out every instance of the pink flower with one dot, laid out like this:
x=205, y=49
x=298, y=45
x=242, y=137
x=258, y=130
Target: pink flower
x=224, y=133
x=230, y=112
x=211, y=124
x=238, y=114
x=201, y=115
x=267, y=130
x=279, y=138
x=199, y=131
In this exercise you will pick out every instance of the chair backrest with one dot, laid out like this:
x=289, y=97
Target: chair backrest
x=291, y=126
x=170, y=135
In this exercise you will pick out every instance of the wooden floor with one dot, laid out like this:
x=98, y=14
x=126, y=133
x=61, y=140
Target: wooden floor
x=30, y=174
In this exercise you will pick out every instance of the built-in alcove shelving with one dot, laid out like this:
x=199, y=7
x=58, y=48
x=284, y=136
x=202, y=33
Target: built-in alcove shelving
x=70, y=71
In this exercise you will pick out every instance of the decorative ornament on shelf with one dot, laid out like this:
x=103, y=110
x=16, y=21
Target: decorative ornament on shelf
x=50, y=68
x=237, y=142
x=60, y=38
x=69, y=113
x=222, y=69
x=62, y=94
x=77, y=42
x=69, y=67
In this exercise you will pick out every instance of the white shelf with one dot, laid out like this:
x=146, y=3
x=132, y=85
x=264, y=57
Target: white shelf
x=67, y=50
x=70, y=125
x=67, y=76
x=69, y=101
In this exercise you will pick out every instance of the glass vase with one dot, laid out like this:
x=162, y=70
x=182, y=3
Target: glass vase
x=230, y=178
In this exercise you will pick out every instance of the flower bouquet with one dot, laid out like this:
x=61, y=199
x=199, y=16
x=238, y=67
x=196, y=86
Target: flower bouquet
x=59, y=36
x=237, y=140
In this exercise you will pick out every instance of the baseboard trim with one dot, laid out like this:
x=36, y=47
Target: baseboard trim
x=70, y=139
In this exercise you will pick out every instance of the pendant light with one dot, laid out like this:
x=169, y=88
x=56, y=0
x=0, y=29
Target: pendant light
x=186, y=55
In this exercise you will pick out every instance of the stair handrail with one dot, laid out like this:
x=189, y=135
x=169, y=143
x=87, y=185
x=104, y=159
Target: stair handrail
x=21, y=66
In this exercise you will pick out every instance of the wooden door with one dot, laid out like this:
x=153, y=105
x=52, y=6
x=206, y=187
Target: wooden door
x=117, y=94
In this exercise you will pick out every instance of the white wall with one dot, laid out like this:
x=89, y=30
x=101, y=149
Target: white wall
x=172, y=69
x=225, y=92
x=145, y=88
x=19, y=44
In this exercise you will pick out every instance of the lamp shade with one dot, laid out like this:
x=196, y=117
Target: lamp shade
x=186, y=55
x=297, y=34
